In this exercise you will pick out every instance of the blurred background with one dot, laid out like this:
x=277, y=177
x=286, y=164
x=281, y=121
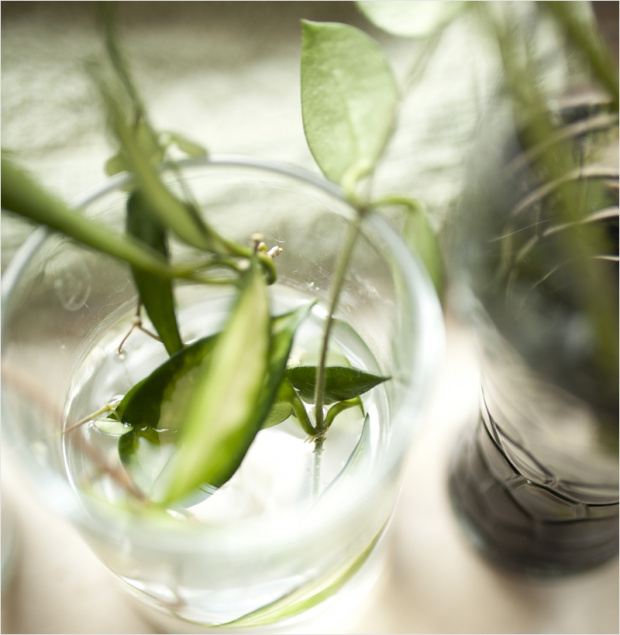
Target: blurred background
x=226, y=74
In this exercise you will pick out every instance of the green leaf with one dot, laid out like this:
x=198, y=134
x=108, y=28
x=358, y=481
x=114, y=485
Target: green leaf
x=160, y=400
x=148, y=142
x=341, y=382
x=111, y=426
x=282, y=334
x=422, y=238
x=280, y=411
x=22, y=195
x=156, y=293
x=287, y=401
x=115, y=165
x=348, y=96
x=146, y=458
x=236, y=389
x=420, y=18
x=187, y=146
x=220, y=419
x=136, y=147
x=157, y=401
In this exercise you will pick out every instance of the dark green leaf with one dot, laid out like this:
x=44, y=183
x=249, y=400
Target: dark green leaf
x=280, y=412
x=288, y=402
x=283, y=330
x=348, y=96
x=145, y=457
x=341, y=382
x=170, y=384
x=156, y=293
x=159, y=401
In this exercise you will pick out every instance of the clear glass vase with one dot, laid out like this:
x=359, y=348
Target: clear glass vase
x=536, y=482
x=265, y=552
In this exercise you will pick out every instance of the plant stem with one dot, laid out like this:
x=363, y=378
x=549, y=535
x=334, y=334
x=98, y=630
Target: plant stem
x=341, y=267
x=90, y=417
x=339, y=407
x=319, y=393
x=316, y=466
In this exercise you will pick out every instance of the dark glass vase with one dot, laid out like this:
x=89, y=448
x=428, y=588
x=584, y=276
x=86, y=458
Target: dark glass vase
x=535, y=481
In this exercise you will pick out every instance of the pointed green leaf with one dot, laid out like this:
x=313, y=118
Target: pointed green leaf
x=139, y=147
x=283, y=330
x=420, y=18
x=182, y=218
x=159, y=401
x=156, y=293
x=156, y=400
x=348, y=96
x=288, y=402
x=145, y=457
x=111, y=426
x=341, y=382
x=280, y=412
x=423, y=239
x=220, y=419
x=22, y=195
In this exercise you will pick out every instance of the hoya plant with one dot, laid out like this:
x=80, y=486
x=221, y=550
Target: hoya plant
x=226, y=387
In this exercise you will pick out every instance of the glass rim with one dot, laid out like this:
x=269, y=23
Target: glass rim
x=428, y=352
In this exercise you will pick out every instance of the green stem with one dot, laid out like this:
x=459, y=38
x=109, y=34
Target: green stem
x=319, y=394
x=396, y=200
x=339, y=407
x=298, y=408
x=316, y=467
x=103, y=410
x=341, y=267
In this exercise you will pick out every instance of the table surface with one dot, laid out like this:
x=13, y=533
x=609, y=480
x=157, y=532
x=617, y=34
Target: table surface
x=227, y=74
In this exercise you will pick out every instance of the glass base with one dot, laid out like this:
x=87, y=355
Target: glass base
x=521, y=525
x=333, y=614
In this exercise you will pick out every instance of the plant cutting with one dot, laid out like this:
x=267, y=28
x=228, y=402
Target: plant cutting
x=203, y=332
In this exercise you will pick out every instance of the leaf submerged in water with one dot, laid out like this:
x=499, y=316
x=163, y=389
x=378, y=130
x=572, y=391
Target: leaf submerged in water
x=341, y=382
x=160, y=402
